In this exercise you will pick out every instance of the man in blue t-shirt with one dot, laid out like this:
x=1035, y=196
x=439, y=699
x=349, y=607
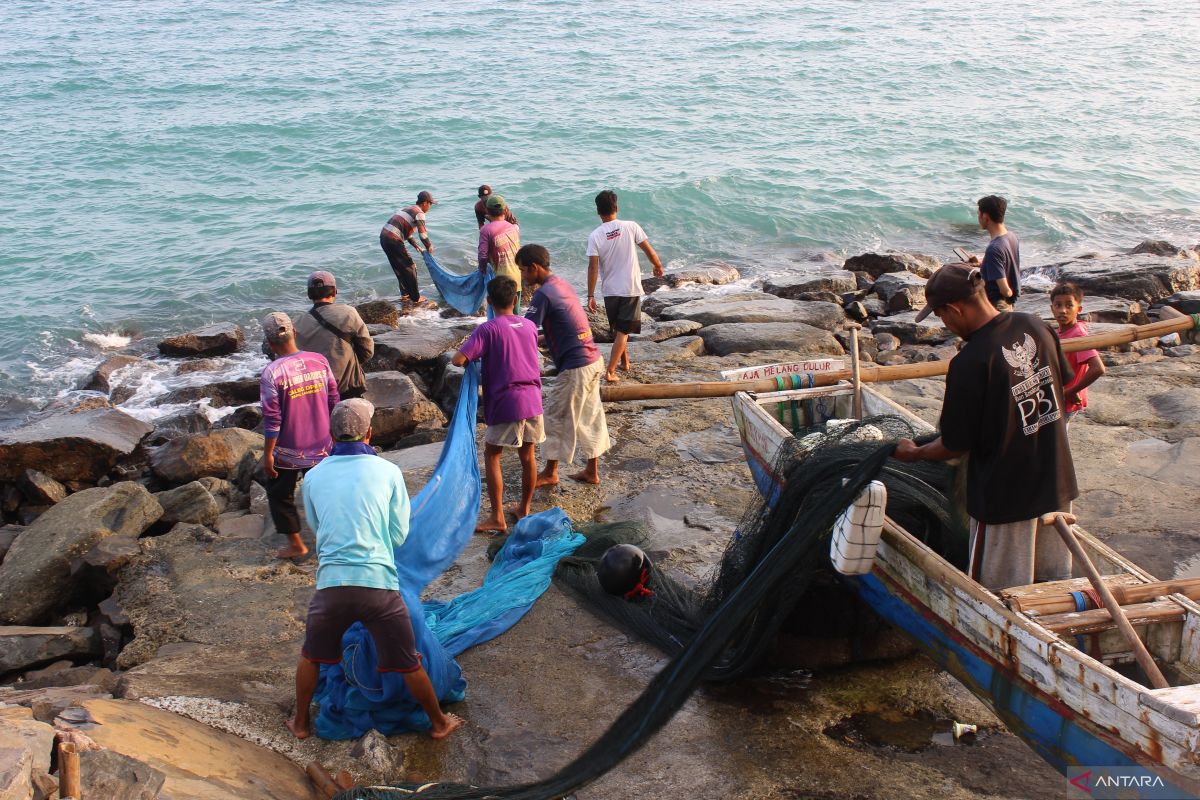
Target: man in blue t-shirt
x=574, y=415
x=1001, y=266
x=358, y=505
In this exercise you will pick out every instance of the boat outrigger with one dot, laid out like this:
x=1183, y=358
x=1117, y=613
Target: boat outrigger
x=1059, y=678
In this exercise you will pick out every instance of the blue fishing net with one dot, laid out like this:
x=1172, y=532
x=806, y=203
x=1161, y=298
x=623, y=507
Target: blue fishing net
x=353, y=696
x=465, y=293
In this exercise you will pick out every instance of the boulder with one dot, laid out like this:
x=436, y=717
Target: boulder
x=905, y=328
x=25, y=749
x=876, y=264
x=1158, y=247
x=211, y=340
x=224, y=493
x=23, y=647
x=16, y=773
x=198, y=365
x=8, y=535
x=1136, y=277
x=34, y=577
x=248, y=417
x=48, y=702
x=1187, y=302
x=191, y=502
x=748, y=337
x=181, y=423
x=411, y=346
x=1095, y=309
x=598, y=322
x=755, y=307
x=379, y=312
x=65, y=446
x=41, y=489
x=710, y=274
x=98, y=381
x=667, y=329
x=901, y=291
x=217, y=454
x=654, y=304
x=107, y=773
x=399, y=407
x=811, y=279
x=221, y=393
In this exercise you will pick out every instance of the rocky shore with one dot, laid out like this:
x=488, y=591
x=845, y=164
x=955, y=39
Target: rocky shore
x=140, y=604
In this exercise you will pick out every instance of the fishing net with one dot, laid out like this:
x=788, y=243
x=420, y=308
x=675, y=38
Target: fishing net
x=465, y=293
x=722, y=629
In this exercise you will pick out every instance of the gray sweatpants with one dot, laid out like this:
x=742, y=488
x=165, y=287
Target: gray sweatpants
x=1017, y=554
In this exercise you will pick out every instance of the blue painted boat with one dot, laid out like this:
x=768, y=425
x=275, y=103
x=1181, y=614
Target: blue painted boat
x=1057, y=677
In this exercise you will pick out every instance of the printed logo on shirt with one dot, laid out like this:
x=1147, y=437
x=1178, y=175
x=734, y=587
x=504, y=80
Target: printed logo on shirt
x=1034, y=395
x=613, y=234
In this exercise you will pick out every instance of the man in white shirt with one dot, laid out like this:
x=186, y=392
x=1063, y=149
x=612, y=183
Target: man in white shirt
x=612, y=256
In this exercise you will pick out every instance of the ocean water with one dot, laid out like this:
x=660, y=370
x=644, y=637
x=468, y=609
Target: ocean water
x=167, y=164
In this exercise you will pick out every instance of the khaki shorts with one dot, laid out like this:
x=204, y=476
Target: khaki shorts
x=1017, y=554
x=516, y=434
x=575, y=416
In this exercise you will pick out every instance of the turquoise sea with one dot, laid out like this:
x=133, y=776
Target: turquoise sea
x=165, y=164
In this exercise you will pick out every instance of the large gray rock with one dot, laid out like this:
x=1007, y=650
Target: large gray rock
x=399, y=407
x=379, y=312
x=25, y=748
x=211, y=340
x=411, y=346
x=756, y=307
x=905, y=328
x=901, y=291
x=191, y=502
x=23, y=647
x=98, y=381
x=216, y=453
x=1187, y=302
x=35, y=575
x=40, y=489
x=107, y=773
x=184, y=422
x=1116, y=310
x=220, y=393
x=1158, y=247
x=710, y=274
x=661, y=331
x=16, y=773
x=598, y=322
x=741, y=337
x=654, y=304
x=876, y=264
x=83, y=446
x=811, y=279
x=1137, y=277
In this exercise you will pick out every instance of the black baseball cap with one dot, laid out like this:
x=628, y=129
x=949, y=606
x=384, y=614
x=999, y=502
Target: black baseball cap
x=424, y=197
x=950, y=284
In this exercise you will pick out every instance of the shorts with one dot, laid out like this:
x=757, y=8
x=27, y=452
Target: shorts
x=1017, y=554
x=516, y=434
x=575, y=420
x=624, y=314
x=381, y=611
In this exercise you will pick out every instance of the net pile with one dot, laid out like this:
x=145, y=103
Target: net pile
x=720, y=631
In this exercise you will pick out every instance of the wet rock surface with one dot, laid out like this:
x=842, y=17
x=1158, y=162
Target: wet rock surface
x=67, y=446
x=400, y=407
x=724, y=339
x=211, y=340
x=214, y=454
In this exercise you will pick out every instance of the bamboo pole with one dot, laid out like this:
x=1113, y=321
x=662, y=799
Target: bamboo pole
x=322, y=780
x=1061, y=522
x=874, y=373
x=68, y=772
x=856, y=373
x=1125, y=595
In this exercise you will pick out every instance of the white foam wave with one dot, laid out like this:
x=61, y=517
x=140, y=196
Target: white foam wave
x=107, y=341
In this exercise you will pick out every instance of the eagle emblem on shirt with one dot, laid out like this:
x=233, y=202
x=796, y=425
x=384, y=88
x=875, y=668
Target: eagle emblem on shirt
x=1022, y=357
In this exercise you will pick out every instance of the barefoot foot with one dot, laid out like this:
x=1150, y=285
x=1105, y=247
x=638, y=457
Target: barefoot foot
x=545, y=480
x=452, y=723
x=517, y=510
x=298, y=730
x=492, y=525
x=586, y=477
x=611, y=377
x=291, y=551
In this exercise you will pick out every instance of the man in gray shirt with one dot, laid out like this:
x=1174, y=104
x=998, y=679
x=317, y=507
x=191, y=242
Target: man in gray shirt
x=337, y=332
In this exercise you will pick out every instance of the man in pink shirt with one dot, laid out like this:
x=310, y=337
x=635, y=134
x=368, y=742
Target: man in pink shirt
x=298, y=391
x=499, y=241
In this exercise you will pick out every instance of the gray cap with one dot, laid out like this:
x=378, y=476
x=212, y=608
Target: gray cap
x=351, y=419
x=322, y=280
x=277, y=325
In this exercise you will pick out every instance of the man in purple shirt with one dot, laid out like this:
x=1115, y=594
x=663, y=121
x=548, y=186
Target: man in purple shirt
x=574, y=415
x=512, y=397
x=298, y=391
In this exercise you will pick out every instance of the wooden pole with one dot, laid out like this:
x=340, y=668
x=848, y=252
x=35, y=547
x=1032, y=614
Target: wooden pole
x=856, y=373
x=68, y=772
x=1125, y=595
x=872, y=373
x=1062, y=523
x=321, y=779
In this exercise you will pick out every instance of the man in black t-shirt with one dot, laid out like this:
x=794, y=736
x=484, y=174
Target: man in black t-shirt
x=1003, y=408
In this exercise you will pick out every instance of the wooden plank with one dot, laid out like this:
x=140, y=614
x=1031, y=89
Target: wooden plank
x=1078, y=623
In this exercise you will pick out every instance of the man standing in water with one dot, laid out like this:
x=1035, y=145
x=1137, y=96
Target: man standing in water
x=400, y=229
x=573, y=412
x=1001, y=265
x=298, y=391
x=485, y=192
x=1004, y=407
x=499, y=241
x=612, y=256
x=358, y=504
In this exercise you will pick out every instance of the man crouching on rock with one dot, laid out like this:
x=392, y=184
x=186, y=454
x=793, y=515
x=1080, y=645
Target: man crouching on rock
x=358, y=505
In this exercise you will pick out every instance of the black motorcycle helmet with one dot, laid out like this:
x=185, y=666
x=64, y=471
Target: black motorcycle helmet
x=622, y=569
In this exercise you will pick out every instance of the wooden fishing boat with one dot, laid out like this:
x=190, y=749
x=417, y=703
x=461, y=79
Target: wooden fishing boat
x=1058, y=678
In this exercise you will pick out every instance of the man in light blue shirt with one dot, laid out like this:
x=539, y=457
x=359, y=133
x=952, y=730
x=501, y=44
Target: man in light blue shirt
x=358, y=505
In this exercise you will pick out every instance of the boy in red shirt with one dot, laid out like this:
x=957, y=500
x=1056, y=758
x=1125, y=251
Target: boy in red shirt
x=1066, y=302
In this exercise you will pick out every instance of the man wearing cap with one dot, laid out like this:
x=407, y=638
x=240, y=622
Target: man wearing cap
x=1003, y=408
x=298, y=391
x=336, y=331
x=499, y=241
x=400, y=229
x=358, y=505
x=612, y=256
x=481, y=208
